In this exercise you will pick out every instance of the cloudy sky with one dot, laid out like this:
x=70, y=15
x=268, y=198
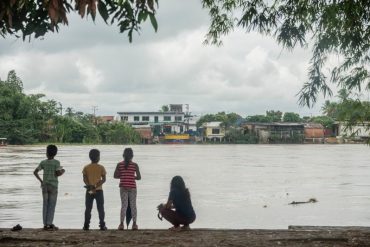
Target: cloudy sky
x=90, y=64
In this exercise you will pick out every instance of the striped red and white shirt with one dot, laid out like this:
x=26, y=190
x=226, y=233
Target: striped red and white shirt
x=127, y=176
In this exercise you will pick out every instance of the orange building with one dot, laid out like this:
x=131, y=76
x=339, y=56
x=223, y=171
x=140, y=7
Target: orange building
x=314, y=133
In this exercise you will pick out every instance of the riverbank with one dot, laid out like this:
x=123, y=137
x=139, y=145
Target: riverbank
x=295, y=236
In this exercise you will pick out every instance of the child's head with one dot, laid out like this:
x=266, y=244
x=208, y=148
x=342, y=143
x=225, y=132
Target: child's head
x=51, y=151
x=128, y=154
x=94, y=155
x=178, y=183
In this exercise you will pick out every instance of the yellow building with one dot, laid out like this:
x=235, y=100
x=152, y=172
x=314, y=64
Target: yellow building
x=213, y=131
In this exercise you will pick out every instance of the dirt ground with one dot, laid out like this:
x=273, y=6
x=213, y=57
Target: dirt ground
x=295, y=236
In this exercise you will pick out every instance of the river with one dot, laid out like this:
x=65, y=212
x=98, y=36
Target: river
x=232, y=186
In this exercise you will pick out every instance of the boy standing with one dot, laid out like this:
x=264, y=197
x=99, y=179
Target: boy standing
x=49, y=185
x=94, y=176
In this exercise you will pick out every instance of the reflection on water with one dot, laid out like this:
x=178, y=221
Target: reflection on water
x=232, y=186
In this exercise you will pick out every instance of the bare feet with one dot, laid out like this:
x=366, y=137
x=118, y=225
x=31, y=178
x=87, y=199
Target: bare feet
x=185, y=228
x=120, y=227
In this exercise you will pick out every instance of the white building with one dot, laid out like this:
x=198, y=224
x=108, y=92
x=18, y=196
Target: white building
x=358, y=131
x=167, y=122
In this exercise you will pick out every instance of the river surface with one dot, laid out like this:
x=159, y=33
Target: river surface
x=232, y=186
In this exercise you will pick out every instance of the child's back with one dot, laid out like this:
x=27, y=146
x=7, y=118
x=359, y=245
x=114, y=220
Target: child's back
x=49, y=185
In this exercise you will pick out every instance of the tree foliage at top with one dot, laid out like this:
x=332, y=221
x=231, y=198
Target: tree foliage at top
x=331, y=27
x=37, y=17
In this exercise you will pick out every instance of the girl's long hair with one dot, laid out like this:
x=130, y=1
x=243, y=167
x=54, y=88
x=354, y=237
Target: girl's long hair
x=128, y=154
x=178, y=183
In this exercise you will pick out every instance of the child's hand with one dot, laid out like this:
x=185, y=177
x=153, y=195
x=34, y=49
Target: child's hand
x=59, y=172
x=160, y=206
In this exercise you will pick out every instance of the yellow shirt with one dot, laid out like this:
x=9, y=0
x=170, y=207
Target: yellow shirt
x=94, y=173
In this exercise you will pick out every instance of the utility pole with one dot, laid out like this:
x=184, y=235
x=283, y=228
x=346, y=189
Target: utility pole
x=94, y=109
x=187, y=115
x=61, y=108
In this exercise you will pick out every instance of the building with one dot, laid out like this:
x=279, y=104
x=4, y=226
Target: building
x=358, y=133
x=213, y=131
x=278, y=132
x=145, y=132
x=160, y=122
x=314, y=133
x=105, y=119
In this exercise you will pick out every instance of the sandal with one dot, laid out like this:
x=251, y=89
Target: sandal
x=185, y=228
x=135, y=227
x=175, y=228
x=53, y=227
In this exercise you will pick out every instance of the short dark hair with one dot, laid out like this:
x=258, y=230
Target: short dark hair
x=51, y=151
x=94, y=155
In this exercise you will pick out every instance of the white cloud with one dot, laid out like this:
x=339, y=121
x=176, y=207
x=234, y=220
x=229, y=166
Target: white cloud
x=90, y=64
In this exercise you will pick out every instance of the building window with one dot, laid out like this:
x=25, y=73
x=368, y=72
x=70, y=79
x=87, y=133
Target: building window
x=124, y=118
x=178, y=118
x=136, y=118
x=145, y=118
x=215, y=131
x=167, y=118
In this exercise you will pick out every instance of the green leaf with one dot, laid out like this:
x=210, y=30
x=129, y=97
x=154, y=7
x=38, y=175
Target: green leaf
x=102, y=8
x=141, y=16
x=153, y=21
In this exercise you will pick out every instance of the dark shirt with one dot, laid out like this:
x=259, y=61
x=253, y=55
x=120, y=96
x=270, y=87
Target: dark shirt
x=182, y=203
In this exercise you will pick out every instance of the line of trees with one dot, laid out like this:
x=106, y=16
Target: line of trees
x=27, y=119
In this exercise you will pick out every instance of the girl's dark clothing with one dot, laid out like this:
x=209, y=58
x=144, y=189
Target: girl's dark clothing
x=174, y=217
x=182, y=203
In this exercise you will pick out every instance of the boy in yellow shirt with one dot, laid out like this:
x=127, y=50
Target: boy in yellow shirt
x=94, y=176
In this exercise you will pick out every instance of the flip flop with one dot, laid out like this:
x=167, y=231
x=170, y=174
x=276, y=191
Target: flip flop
x=16, y=228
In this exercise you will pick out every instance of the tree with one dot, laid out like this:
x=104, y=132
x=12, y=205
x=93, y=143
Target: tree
x=337, y=27
x=165, y=108
x=37, y=17
x=291, y=117
x=325, y=121
x=23, y=118
x=259, y=119
x=69, y=112
x=330, y=109
x=275, y=116
x=227, y=120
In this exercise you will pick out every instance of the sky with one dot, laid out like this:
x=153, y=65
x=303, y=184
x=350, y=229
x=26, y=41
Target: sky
x=91, y=65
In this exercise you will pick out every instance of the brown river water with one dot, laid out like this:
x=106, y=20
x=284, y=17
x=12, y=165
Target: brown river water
x=232, y=186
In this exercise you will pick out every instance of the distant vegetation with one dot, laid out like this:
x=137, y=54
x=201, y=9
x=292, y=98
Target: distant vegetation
x=27, y=119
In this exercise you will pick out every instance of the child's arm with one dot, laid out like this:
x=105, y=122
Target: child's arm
x=169, y=204
x=36, y=173
x=60, y=172
x=138, y=175
x=102, y=181
x=116, y=172
x=86, y=181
